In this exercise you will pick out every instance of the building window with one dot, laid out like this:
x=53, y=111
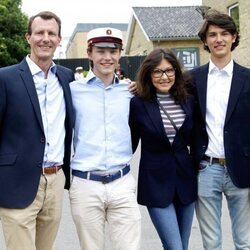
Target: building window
x=189, y=57
x=233, y=11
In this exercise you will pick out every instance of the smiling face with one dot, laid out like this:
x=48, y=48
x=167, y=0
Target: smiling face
x=219, y=42
x=105, y=61
x=163, y=81
x=43, y=40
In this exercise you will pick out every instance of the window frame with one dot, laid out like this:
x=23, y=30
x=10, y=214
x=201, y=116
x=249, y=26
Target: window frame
x=236, y=19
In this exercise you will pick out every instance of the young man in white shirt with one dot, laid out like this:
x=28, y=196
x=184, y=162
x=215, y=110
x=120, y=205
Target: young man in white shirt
x=221, y=146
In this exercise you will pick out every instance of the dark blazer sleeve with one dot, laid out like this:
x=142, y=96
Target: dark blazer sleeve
x=135, y=133
x=236, y=128
x=66, y=76
x=199, y=138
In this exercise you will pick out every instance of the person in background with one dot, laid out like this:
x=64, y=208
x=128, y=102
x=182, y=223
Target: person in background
x=36, y=122
x=221, y=134
x=102, y=188
x=161, y=116
x=120, y=72
x=79, y=73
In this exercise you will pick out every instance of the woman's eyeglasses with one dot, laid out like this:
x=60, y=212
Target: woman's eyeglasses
x=158, y=73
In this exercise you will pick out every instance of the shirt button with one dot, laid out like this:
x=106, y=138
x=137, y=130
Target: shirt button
x=42, y=140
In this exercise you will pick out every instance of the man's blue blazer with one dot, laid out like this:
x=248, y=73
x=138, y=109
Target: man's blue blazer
x=237, y=123
x=22, y=138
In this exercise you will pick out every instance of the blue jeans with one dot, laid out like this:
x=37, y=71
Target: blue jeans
x=213, y=182
x=173, y=224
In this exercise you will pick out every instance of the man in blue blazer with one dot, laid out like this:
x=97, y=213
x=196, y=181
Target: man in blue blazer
x=36, y=121
x=221, y=148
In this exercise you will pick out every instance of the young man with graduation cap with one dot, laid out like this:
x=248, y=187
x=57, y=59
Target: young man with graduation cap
x=103, y=189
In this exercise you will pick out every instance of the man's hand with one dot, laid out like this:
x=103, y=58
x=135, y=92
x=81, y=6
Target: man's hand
x=132, y=87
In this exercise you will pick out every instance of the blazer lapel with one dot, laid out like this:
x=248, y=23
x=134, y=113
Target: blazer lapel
x=238, y=81
x=30, y=86
x=186, y=108
x=154, y=114
x=64, y=81
x=201, y=85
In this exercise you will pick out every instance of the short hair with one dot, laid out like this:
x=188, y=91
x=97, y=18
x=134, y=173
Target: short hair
x=224, y=21
x=46, y=15
x=147, y=90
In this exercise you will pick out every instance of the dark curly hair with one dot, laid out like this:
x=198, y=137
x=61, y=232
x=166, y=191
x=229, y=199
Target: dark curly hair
x=224, y=21
x=147, y=90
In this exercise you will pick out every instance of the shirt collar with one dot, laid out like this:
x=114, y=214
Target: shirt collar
x=35, y=69
x=228, y=68
x=92, y=77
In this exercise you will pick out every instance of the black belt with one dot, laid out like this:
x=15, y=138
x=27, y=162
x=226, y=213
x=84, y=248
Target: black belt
x=213, y=160
x=102, y=178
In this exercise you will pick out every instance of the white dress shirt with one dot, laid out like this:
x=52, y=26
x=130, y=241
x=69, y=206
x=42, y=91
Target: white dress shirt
x=218, y=89
x=52, y=107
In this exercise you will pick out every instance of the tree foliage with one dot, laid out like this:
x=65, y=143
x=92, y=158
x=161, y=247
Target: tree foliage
x=13, y=25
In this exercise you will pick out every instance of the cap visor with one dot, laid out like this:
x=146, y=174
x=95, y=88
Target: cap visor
x=107, y=45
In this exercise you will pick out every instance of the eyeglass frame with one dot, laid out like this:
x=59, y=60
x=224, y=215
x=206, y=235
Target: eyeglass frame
x=166, y=72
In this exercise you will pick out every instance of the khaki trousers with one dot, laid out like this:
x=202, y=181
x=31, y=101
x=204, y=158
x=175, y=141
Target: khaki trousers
x=94, y=203
x=35, y=227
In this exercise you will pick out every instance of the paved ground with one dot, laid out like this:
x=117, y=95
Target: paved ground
x=67, y=238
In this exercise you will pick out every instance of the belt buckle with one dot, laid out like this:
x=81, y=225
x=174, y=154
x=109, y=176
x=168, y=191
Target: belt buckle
x=222, y=162
x=106, y=178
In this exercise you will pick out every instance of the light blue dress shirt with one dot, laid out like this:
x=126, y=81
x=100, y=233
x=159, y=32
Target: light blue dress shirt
x=102, y=139
x=53, y=112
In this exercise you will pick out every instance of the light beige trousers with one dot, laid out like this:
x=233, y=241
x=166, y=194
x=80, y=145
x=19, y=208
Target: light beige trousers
x=94, y=203
x=35, y=227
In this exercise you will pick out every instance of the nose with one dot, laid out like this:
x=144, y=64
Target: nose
x=164, y=75
x=45, y=36
x=107, y=55
x=219, y=38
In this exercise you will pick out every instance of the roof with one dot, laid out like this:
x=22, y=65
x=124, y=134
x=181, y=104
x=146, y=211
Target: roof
x=159, y=23
x=86, y=27
x=165, y=23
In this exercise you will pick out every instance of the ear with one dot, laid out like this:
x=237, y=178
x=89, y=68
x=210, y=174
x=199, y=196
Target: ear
x=120, y=54
x=59, y=41
x=205, y=42
x=89, y=55
x=234, y=38
x=27, y=36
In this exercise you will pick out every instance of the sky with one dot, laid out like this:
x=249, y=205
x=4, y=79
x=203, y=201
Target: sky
x=72, y=12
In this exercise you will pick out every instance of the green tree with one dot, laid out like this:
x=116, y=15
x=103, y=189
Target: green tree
x=13, y=25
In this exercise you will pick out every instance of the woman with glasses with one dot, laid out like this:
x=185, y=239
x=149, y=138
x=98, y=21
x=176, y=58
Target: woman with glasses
x=161, y=117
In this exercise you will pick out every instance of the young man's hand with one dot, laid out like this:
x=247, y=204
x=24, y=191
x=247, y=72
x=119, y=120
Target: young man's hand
x=132, y=87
